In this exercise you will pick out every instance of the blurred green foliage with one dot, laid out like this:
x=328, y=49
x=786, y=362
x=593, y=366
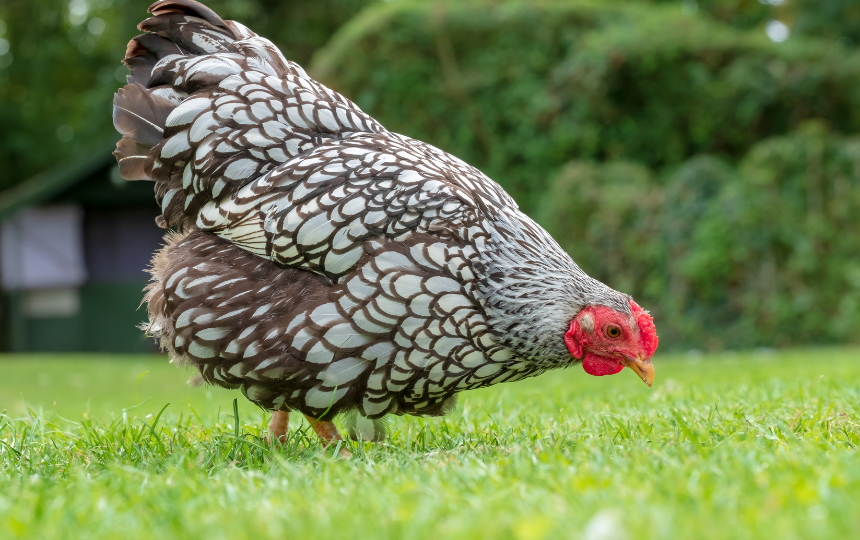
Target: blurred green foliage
x=673, y=149
x=834, y=19
x=831, y=19
x=61, y=66
x=738, y=13
x=518, y=89
x=762, y=254
x=679, y=159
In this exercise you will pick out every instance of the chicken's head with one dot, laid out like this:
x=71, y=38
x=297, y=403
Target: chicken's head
x=607, y=340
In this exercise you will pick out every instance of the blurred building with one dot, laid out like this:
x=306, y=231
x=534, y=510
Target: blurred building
x=74, y=243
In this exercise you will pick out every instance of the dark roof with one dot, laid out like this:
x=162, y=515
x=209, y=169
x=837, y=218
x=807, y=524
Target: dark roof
x=47, y=184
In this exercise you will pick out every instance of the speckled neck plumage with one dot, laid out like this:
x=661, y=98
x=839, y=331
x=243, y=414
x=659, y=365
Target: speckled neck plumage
x=533, y=289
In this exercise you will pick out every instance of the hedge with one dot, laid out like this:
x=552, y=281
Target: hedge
x=519, y=89
x=763, y=254
x=56, y=72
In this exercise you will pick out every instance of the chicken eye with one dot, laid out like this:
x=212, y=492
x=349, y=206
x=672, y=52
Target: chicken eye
x=613, y=332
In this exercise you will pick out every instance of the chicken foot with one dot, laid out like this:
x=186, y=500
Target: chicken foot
x=326, y=431
x=328, y=434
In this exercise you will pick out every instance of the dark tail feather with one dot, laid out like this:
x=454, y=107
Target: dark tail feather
x=177, y=31
x=186, y=7
x=131, y=157
x=158, y=45
x=194, y=36
x=141, y=108
x=139, y=60
x=140, y=114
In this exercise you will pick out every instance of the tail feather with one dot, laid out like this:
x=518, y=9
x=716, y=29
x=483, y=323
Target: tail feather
x=187, y=7
x=213, y=106
x=261, y=48
x=193, y=35
x=159, y=46
x=240, y=30
x=141, y=114
x=131, y=157
x=139, y=61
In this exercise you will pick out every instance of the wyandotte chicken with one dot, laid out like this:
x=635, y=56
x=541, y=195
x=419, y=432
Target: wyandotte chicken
x=323, y=264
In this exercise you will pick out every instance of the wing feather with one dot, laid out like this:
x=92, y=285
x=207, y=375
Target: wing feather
x=274, y=161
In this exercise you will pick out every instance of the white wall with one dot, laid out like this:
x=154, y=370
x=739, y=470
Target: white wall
x=42, y=248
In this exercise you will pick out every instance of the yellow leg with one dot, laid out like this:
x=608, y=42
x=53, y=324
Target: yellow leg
x=328, y=434
x=279, y=425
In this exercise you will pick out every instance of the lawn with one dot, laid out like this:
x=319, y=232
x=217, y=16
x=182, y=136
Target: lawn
x=754, y=445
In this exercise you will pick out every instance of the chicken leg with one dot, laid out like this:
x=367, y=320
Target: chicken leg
x=328, y=434
x=279, y=426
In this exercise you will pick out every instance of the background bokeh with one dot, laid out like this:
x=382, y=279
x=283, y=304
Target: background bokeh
x=702, y=156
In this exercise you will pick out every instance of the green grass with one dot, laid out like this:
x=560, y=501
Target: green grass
x=758, y=445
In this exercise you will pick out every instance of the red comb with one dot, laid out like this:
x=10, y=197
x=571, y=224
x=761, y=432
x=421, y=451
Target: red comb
x=647, y=330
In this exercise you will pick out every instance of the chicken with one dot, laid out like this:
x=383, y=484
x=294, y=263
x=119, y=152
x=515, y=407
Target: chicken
x=323, y=264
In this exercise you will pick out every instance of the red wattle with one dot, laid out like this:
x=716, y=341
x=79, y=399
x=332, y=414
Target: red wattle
x=600, y=366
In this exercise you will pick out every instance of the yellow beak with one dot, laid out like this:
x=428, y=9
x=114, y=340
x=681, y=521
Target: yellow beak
x=641, y=366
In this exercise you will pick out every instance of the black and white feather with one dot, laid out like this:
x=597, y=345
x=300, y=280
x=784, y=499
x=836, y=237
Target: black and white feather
x=324, y=263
